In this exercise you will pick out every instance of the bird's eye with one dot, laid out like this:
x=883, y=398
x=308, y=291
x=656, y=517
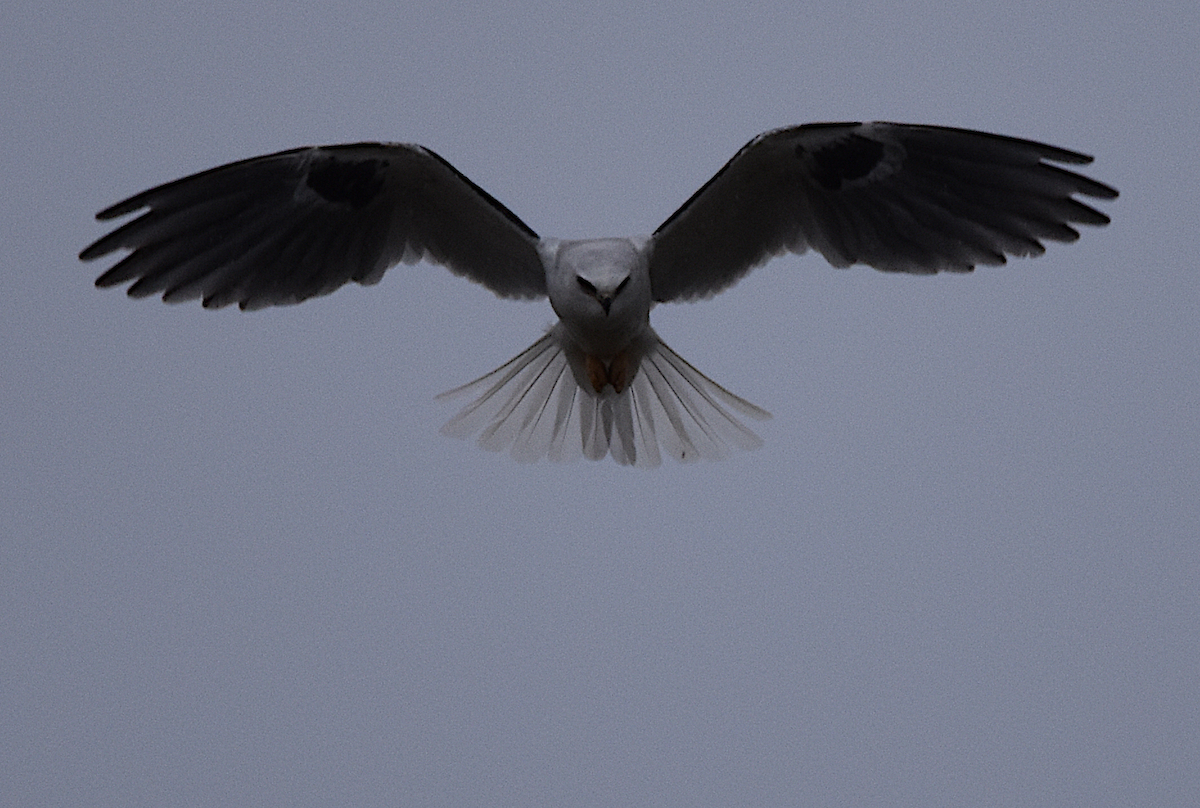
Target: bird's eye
x=586, y=285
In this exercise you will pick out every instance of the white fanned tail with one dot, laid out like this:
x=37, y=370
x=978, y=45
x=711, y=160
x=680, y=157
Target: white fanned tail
x=533, y=406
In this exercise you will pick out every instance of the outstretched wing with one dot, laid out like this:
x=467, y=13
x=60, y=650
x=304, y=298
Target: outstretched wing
x=897, y=197
x=288, y=226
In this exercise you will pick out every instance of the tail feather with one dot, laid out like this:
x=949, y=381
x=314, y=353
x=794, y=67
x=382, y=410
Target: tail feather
x=696, y=407
x=535, y=406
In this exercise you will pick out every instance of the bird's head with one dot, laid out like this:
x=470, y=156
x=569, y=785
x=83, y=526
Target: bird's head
x=599, y=274
x=603, y=290
x=599, y=286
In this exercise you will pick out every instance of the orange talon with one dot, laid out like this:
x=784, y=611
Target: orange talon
x=615, y=372
x=618, y=371
x=597, y=373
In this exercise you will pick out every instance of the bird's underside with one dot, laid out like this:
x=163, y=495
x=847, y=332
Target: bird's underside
x=285, y=227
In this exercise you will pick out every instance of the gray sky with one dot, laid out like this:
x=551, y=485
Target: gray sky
x=240, y=566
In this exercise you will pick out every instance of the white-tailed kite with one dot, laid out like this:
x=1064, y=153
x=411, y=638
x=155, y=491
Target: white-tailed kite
x=285, y=227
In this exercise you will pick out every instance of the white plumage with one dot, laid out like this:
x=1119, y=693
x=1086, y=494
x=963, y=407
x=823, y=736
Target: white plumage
x=285, y=227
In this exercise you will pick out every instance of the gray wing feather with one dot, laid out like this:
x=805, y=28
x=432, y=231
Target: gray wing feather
x=897, y=197
x=285, y=227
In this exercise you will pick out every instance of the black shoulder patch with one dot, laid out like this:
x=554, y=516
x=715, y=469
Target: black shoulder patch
x=843, y=161
x=348, y=182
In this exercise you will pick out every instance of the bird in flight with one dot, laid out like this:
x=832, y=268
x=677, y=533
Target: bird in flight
x=284, y=227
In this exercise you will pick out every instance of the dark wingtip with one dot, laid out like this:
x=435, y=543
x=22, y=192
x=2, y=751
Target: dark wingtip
x=1061, y=155
x=125, y=206
x=92, y=251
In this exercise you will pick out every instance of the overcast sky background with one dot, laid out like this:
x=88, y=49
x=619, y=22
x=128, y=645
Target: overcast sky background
x=240, y=566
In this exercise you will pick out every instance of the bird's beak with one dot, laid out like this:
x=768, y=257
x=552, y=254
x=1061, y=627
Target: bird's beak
x=605, y=303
